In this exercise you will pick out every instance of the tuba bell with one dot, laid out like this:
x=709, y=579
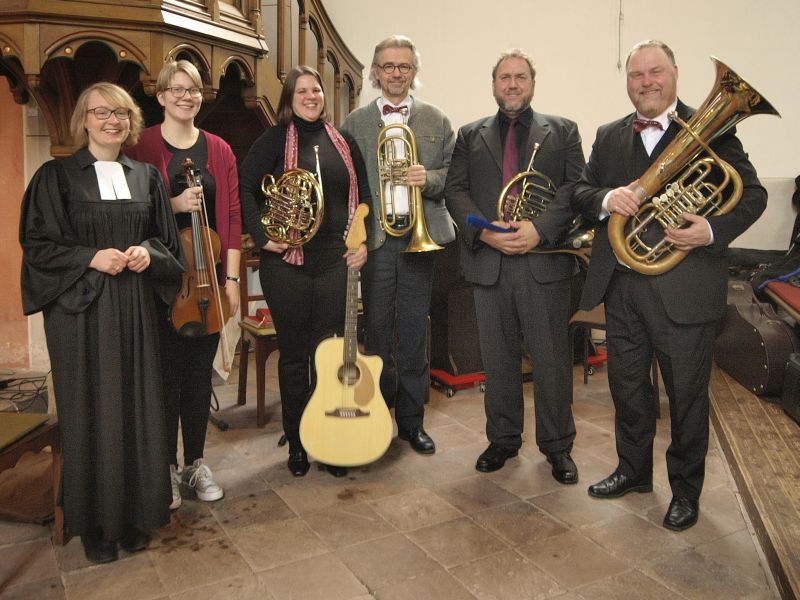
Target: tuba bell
x=687, y=182
x=294, y=205
x=527, y=195
x=396, y=153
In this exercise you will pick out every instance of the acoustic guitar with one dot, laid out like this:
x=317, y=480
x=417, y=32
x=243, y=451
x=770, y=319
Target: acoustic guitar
x=346, y=422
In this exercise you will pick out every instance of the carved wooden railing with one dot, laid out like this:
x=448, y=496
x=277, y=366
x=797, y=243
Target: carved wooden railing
x=52, y=49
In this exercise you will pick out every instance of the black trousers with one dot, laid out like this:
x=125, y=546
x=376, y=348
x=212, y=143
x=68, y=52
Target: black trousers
x=187, y=364
x=397, y=298
x=307, y=303
x=515, y=310
x=637, y=327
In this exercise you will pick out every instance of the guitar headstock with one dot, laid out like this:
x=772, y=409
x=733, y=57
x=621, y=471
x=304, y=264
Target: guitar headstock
x=357, y=234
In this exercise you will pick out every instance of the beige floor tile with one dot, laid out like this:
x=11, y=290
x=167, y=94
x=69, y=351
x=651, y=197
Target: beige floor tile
x=627, y=586
x=241, y=512
x=519, y=523
x=320, y=578
x=27, y=561
x=526, y=477
x=572, y=560
x=434, y=584
x=474, y=493
x=387, y=560
x=274, y=543
x=453, y=435
x=505, y=576
x=633, y=538
x=190, y=524
x=576, y=508
x=415, y=509
x=348, y=525
x=246, y=587
x=457, y=542
x=133, y=578
x=698, y=577
x=16, y=533
x=442, y=467
x=199, y=564
x=737, y=551
x=41, y=589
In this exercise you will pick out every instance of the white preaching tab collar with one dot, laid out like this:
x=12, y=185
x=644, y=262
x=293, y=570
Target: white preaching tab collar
x=111, y=180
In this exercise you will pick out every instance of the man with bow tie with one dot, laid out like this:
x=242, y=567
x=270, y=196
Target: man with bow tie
x=397, y=285
x=673, y=315
x=520, y=296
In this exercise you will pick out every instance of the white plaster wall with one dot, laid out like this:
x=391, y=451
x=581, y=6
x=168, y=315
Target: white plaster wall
x=577, y=46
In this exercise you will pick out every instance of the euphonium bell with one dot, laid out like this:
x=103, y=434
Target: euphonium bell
x=294, y=205
x=396, y=153
x=685, y=183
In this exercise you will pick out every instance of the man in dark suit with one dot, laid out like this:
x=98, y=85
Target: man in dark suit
x=674, y=314
x=519, y=296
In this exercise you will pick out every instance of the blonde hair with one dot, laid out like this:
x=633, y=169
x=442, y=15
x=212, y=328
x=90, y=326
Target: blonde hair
x=117, y=98
x=169, y=70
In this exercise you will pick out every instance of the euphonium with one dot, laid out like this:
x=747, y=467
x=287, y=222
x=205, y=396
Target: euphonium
x=393, y=173
x=536, y=192
x=687, y=183
x=294, y=205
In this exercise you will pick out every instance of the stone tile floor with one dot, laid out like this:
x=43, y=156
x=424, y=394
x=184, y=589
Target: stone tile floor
x=412, y=526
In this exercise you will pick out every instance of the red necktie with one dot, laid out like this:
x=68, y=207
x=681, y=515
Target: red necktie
x=640, y=125
x=388, y=109
x=510, y=154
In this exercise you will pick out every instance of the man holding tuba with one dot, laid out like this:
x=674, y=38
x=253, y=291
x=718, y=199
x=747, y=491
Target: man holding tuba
x=397, y=280
x=519, y=295
x=673, y=314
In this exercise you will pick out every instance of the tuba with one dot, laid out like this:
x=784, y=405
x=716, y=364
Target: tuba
x=536, y=192
x=294, y=205
x=686, y=181
x=393, y=173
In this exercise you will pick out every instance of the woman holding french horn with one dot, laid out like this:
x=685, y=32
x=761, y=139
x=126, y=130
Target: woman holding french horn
x=313, y=178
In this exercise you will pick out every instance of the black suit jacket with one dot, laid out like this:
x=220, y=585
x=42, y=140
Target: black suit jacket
x=695, y=290
x=474, y=182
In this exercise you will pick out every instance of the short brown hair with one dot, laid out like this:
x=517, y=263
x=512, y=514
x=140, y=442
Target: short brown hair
x=515, y=53
x=115, y=95
x=651, y=44
x=285, y=111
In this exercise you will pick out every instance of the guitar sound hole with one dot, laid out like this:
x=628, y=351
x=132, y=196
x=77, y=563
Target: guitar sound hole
x=349, y=374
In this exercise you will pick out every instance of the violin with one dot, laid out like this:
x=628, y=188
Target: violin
x=199, y=308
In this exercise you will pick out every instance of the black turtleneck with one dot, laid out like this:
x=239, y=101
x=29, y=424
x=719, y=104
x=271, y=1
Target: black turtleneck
x=267, y=156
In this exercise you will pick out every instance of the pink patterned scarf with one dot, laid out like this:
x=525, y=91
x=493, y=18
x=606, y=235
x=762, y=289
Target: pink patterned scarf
x=294, y=255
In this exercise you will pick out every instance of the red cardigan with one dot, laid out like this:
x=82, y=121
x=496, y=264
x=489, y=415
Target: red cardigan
x=222, y=166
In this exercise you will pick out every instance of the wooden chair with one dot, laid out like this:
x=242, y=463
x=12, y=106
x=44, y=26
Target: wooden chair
x=263, y=338
x=587, y=320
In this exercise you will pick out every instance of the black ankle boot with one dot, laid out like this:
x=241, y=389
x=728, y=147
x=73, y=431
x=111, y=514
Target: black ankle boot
x=98, y=550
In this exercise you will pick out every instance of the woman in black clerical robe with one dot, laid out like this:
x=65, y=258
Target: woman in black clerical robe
x=99, y=242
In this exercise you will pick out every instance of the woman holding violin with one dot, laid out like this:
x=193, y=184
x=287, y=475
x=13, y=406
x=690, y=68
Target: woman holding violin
x=305, y=286
x=208, y=215
x=99, y=245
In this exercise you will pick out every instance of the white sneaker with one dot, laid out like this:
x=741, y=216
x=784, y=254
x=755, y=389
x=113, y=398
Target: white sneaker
x=175, y=480
x=198, y=477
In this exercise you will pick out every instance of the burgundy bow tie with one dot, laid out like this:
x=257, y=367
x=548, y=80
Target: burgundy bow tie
x=388, y=109
x=640, y=125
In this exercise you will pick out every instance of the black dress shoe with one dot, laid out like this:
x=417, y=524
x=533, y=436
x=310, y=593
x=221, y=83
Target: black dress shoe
x=681, y=514
x=298, y=463
x=134, y=540
x=617, y=484
x=98, y=550
x=336, y=471
x=564, y=468
x=419, y=440
x=494, y=457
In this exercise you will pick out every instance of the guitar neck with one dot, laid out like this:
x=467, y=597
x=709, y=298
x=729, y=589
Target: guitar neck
x=351, y=318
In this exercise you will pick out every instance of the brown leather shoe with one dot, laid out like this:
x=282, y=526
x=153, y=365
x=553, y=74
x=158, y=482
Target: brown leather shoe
x=681, y=514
